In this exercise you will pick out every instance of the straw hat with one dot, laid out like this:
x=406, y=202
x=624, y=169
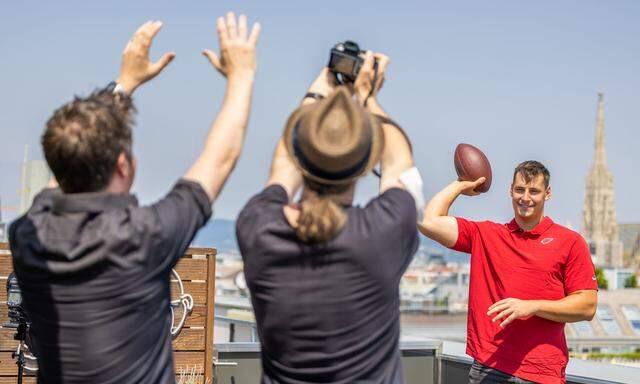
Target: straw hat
x=334, y=140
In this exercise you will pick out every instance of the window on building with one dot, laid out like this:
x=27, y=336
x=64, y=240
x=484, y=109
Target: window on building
x=605, y=314
x=582, y=328
x=632, y=313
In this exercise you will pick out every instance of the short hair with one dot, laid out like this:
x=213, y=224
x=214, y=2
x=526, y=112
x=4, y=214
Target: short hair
x=530, y=169
x=83, y=139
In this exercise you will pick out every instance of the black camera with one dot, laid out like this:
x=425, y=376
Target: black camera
x=346, y=60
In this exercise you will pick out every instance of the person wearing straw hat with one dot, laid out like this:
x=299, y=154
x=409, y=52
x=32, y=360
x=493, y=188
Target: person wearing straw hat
x=323, y=274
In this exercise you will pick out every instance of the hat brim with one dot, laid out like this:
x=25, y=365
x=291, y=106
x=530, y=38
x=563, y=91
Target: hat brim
x=377, y=143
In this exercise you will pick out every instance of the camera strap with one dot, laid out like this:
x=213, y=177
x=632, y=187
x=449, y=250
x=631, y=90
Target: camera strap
x=386, y=120
x=373, y=82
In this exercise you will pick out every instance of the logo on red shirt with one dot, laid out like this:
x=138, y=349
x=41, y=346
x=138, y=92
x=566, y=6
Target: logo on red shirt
x=546, y=240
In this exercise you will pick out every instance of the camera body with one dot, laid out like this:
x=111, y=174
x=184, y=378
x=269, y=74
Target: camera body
x=345, y=60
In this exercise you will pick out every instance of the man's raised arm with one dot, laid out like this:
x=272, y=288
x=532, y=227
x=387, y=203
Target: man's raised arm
x=136, y=68
x=237, y=62
x=436, y=223
x=396, y=155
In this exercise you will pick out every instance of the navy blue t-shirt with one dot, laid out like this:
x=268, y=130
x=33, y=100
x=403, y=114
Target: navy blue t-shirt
x=328, y=313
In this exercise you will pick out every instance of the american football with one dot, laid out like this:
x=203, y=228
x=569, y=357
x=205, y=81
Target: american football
x=471, y=164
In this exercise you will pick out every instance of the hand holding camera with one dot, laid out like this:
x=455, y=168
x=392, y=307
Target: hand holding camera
x=361, y=70
x=137, y=68
x=371, y=76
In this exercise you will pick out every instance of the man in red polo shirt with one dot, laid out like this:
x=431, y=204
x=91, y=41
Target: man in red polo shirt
x=528, y=278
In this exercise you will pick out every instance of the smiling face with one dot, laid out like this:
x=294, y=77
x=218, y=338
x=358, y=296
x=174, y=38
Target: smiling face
x=528, y=198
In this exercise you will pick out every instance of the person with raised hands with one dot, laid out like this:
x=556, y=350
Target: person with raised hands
x=94, y=266
x=323, y=273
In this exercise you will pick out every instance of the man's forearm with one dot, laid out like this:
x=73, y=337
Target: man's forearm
x=224, y=141
x=227, y=131
x=440, y=203
x=576, y=307
x=396, y=154
x=284, y=172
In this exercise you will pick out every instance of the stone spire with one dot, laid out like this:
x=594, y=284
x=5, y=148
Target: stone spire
x=599, y=223
x=600, y=159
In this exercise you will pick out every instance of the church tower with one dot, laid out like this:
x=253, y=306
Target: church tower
x=599, y=223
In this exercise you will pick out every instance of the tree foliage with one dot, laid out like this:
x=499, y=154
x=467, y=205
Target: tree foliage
x=602, y=281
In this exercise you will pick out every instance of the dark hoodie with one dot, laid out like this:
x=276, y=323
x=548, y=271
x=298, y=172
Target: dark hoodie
x=94, y=272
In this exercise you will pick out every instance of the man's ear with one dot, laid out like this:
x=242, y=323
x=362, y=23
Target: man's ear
x=547, y=194
x=124, y=167
x=511, y=191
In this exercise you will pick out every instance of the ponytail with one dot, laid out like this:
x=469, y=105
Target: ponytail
x=321, y=218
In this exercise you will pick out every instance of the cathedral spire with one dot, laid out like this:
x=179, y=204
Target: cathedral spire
x=599, y=223
x=600, y=158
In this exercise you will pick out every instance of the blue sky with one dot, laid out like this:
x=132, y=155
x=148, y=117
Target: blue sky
x=519, y=79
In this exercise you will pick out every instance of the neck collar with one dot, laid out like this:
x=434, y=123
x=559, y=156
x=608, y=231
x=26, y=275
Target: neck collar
x=94, y=202
x=539, y=229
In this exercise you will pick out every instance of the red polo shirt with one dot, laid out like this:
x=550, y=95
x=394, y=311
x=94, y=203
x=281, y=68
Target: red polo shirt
x=546, y=263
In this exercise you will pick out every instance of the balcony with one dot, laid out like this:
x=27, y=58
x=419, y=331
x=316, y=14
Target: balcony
x=424, y=362
x=237, y=356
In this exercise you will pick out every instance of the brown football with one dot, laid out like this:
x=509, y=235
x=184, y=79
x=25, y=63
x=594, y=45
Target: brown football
x=471, y=164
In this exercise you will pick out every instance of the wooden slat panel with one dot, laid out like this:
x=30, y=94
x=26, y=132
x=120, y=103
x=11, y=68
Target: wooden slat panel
x=6, y=264
x=201, y=251
x=189, y=340
x=197, y=317
x=187, y=360
x=192, y=269
x=7, y=343
x=209, y=328
x=195, y=379
x=196, y=289
x=14, y=379
x=8, y=365
x=4, y=246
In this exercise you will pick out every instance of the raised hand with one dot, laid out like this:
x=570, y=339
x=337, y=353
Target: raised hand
x=137, y=68
x=468, y=188
x=364, y=82
x=237, y=47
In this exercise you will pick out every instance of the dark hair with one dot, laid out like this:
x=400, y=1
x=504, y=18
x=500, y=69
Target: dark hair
x=530, y=169
x=83, y=139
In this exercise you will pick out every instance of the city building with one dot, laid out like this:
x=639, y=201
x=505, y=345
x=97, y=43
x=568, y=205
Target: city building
x=617, y=277
x=599, y=224
x=630, y=237
x=3, y=227
x=614, y=329
x=35, y=176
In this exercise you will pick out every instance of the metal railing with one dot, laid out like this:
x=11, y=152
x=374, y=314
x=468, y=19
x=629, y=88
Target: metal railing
x=424, y=362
